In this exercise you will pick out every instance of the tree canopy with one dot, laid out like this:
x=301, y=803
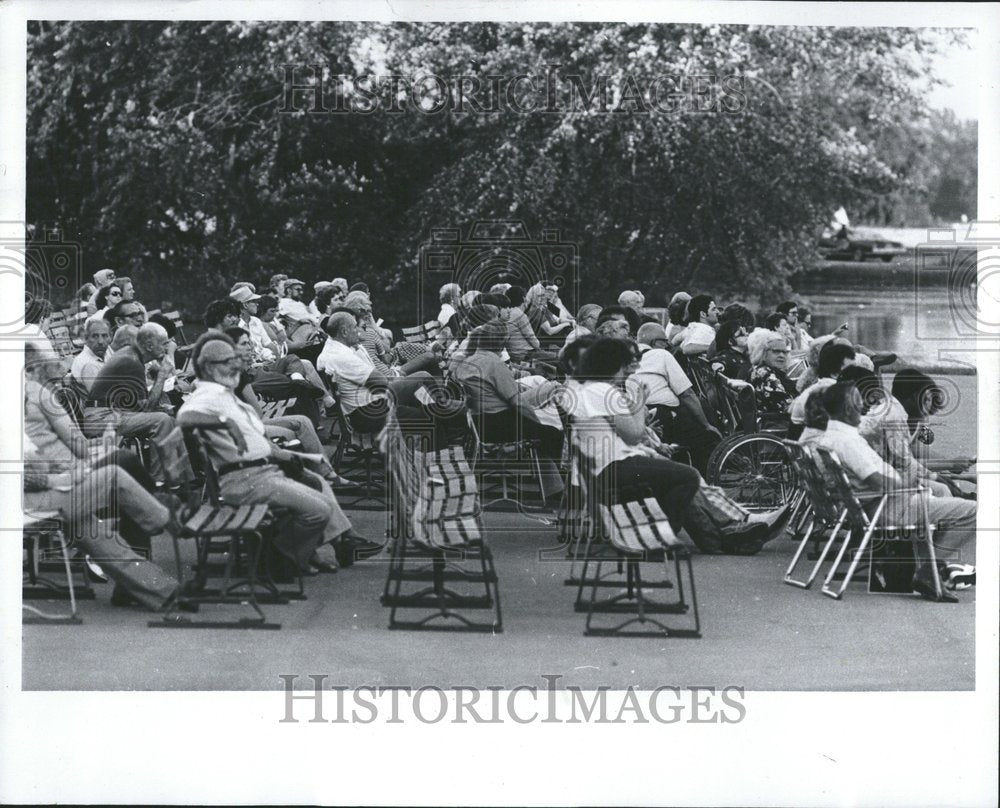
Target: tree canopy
x=172, y=150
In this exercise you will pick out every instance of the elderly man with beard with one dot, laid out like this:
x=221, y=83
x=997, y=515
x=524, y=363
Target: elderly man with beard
x=253, y=470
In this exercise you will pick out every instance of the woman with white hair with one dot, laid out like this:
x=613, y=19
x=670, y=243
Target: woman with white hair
x=546, y=313
x=449, y=296
x=769, y=352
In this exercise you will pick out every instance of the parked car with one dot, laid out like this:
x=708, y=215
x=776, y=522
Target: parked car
x=848, y=244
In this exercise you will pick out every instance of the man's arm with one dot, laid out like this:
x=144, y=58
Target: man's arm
x=691, y=348
x=162, y=374
x=693, y=405
x=249, y=396
x=880, y=483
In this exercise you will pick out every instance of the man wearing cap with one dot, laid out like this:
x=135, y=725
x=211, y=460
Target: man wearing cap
x=251, y=469
x=314, y=303
x=264, y=348
x=670, y=393
x=291, y=307
x=265, y=352
x=102, y=278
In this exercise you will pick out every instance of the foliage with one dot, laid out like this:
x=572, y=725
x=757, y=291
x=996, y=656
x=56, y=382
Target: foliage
x=162, y=148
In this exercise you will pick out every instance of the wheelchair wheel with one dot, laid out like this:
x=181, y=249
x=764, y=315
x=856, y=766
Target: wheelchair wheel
x=754, y=470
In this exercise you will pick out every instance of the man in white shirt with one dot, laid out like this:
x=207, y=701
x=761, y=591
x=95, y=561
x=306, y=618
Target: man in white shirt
x=318, y=287
x=702, y=317
x=293, y=309
x=264, y=348
x=670, y=393
x=366, y=395
x=252, y=469
x=953, y=518
x=88, y=363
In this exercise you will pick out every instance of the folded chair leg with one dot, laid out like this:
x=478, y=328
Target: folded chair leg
x=932, y=553
x=798, y=554
x=826, y=549
x=855, y=561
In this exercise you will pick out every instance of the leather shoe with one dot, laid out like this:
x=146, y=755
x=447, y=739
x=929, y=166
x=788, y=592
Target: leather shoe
x=338, y=483
x=925, y=589
x=746, y=542
x=121, y=597
x=324, y=558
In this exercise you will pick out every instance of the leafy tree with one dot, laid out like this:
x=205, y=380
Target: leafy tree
x=169, y=150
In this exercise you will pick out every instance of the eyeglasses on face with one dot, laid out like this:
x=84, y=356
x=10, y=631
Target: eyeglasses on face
x=114, y=294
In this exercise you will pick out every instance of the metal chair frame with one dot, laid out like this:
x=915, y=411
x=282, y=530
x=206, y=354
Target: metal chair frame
x=240, y=527
x=38, y=587
x=449, y=534
x=860, y=522
x=357, y=448
x=823, y=515
x=634, y=532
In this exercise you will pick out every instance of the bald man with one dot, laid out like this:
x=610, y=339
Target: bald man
x=119, y=395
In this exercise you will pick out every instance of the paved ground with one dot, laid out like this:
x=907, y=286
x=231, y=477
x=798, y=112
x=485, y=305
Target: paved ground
x=758, y=633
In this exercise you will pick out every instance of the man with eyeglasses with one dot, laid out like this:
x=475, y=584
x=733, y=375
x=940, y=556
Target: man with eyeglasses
x=790, y=310
x=253, y=470
x=126, y=313
x=119, y=395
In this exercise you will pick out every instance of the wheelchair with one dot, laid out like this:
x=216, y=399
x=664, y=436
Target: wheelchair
x=751, y=464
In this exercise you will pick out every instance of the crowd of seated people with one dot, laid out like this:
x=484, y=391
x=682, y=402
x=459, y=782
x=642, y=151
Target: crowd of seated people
x=509, y=358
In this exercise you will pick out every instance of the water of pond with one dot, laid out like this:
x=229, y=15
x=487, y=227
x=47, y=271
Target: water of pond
x=932, y=328
x=929, y=330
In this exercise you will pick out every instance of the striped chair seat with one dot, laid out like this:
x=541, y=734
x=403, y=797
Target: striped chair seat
x=277, y=407
x=638, y=527
x=225, y=520
x=422, y=333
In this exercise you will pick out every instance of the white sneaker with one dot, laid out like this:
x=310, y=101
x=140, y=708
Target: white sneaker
x=960, y=576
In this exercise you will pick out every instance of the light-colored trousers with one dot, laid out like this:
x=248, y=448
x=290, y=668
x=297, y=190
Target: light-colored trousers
x=90, y=493
x=307, y=517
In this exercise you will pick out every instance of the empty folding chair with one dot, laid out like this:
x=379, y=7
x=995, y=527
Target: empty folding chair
x=437, y=540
